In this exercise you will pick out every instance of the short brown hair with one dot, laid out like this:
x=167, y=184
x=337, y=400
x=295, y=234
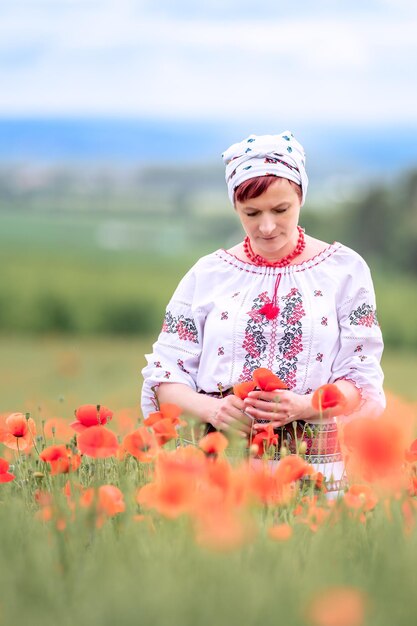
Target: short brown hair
x=254, y=187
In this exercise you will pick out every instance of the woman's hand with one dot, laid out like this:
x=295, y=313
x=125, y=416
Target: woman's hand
x=229, y=415
x=279, y=407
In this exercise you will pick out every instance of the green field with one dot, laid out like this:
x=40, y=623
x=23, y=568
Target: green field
x=58, y=374
x=70, y=274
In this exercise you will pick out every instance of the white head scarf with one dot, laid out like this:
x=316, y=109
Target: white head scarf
x=260, y=155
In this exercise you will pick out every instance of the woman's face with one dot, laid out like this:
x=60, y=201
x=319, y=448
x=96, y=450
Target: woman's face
x=271, y=219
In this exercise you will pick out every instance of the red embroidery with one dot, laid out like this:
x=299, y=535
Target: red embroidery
x=364, y=315
x=180, y=364
x=284, y=355
x=184, y=326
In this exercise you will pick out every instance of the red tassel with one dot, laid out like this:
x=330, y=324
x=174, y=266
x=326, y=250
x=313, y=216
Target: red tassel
x=269, y=310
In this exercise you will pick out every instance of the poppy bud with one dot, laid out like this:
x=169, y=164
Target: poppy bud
x=302, y=448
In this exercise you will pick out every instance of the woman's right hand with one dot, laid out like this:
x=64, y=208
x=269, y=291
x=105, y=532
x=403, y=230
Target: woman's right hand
x=229, y=416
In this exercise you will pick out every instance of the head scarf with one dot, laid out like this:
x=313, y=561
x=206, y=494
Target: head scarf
x=260, y=155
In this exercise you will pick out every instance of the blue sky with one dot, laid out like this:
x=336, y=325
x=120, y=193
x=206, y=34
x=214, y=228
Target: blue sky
x=306, y=61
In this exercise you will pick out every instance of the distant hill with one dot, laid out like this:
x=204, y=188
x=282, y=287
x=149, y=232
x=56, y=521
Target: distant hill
x=333, y=153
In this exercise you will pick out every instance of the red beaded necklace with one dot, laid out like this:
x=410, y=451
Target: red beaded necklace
x=257, y=259
x=271, y=309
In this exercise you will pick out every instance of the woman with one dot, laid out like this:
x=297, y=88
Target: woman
x=280, y=299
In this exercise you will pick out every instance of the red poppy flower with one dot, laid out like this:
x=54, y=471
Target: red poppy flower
x=241, y=390
x=141, y=444
x=17, y=432
x=5, y=476
x=213, y=444
x=360, y=497
x=164, y=422
x=267, y=380
x=264, y=439
x=61, y=459
x=172, y=496
x=327, y=397
x=166, y=411
x=110, y=500
x=292, y=468
x=97, y=442
x=107, y=501
x=263, y=485
x=90, y=415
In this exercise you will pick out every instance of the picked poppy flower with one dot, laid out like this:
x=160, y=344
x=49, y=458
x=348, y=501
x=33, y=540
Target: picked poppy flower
x=98, y=442
x=141, y=444
x=337, y=606
x=267, y=380
x=61, y=459
x=241, y=390
x=264, y=439
x=5, y=476
x=89, y=415
x=213, y=444
x=17, y=432
x=327, y=397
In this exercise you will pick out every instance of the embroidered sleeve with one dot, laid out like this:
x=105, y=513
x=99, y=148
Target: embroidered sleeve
x=360, y=342
x=176, y=353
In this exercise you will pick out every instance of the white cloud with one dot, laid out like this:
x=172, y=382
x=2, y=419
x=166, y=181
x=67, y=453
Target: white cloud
x=114, y=58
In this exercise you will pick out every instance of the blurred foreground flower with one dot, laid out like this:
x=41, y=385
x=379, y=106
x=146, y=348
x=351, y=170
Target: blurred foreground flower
x=106, y=501
x=337, y=606
x=375, y=448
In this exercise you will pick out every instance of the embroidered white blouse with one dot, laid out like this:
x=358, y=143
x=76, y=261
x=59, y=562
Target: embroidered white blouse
x=214, y=336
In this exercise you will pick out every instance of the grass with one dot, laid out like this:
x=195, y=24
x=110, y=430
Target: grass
x=56, y=374
x=130, y=572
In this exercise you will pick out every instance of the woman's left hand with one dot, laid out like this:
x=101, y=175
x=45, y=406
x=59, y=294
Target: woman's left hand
x=279, y=407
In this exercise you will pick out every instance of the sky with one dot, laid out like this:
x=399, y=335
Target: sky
x=310, y=61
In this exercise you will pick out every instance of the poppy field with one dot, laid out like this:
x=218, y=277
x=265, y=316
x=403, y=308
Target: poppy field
x=109, y=518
